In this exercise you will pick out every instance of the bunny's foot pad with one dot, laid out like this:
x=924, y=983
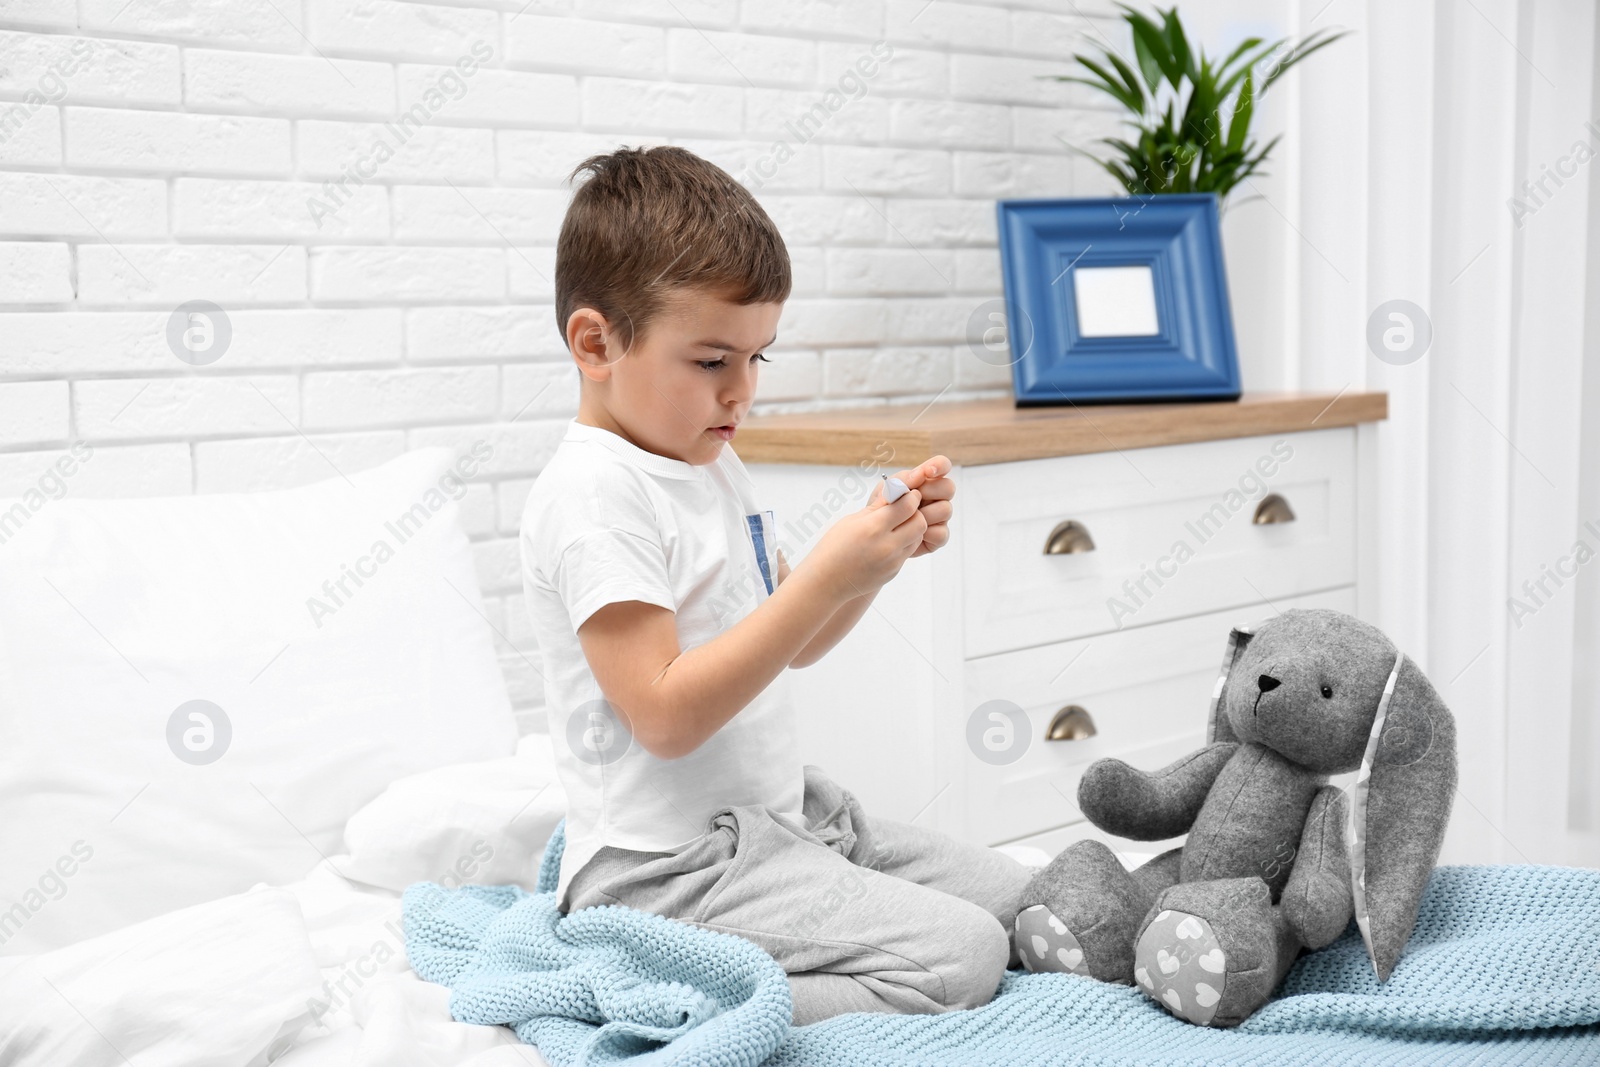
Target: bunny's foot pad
x=1180, y=965
x=1045, y=944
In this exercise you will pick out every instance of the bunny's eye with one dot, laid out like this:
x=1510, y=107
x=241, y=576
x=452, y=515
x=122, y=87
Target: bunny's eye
x=1327, y=692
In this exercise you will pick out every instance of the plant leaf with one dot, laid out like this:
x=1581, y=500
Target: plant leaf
x=1249, y=65
x=1148, y=36
x=1110, y=85
x=1124, y=177
x=1129, y=78
x=1263, y=153
x=1241, y=114
x=1244, y=46
x=1148, y=64
x=1200, y=115
x=1301, y=51
x=1176, y=41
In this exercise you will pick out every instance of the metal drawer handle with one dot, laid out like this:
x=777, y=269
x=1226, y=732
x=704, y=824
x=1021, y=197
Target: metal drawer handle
x=1071, y=723
x=1272, y=509
x=1069, y=536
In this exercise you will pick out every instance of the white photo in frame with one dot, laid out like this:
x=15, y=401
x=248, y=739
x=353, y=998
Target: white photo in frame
x=1116, y=301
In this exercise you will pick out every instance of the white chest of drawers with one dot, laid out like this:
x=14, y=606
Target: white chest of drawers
x=1090, y=591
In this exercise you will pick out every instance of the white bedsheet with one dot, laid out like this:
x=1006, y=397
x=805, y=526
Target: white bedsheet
x=312, y=974
x=373, y=1010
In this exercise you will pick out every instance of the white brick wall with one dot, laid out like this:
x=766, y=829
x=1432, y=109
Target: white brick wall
x=178, y=159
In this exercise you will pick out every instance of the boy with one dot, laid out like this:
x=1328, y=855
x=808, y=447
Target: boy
x=666, y=619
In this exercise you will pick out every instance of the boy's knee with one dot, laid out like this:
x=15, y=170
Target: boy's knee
x=976, y=962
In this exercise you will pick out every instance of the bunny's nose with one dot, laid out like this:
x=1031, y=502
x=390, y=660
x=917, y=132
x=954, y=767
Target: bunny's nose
x=1268, y=683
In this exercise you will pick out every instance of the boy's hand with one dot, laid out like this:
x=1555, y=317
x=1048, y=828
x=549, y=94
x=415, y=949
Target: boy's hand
x=932, y=479
x=864, y=549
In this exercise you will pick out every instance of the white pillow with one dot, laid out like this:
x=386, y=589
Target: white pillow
x=227, y=981
x=344, y=643
x=473, y=823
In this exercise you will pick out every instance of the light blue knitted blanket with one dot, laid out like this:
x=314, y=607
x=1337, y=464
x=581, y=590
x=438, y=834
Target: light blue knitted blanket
x=1504, y=968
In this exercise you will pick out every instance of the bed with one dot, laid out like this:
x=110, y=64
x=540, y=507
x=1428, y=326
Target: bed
x=239, y=726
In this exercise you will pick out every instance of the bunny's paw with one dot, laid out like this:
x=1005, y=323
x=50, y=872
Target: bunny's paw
x=1180, y=964
x=1044, y=943
x=1212, y=952
x=1085, y=908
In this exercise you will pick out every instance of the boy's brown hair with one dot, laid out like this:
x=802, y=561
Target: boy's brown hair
x=651, y=220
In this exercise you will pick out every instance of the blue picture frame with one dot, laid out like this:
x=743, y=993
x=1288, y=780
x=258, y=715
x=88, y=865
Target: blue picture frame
x=1188, y=354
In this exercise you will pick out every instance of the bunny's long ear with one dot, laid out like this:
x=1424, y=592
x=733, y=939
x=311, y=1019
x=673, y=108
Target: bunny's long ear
x=1402, y=799
x=1217, y=728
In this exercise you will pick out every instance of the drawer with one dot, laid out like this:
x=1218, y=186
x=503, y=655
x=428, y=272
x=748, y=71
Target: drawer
x=1147, y=689
x=1173, y=535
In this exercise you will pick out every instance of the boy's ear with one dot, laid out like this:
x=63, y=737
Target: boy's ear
x=592, y=343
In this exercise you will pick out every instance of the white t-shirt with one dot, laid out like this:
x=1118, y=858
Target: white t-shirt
x=609, y=521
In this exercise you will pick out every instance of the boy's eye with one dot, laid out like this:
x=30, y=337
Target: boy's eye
x=717, y=364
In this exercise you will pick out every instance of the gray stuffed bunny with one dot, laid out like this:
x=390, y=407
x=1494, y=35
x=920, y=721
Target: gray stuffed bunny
x=1208, y=930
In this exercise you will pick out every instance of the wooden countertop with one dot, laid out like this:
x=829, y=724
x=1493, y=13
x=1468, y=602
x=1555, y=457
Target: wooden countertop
x=974, y=432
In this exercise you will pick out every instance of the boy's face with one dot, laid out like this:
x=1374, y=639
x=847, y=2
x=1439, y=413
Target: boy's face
x=695, y=369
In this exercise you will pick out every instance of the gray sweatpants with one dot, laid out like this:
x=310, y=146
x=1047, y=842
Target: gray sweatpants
x=864, y=915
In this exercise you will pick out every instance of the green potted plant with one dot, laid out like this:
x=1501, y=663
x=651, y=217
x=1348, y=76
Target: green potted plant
x=1191, y=118
x=1124, y=298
